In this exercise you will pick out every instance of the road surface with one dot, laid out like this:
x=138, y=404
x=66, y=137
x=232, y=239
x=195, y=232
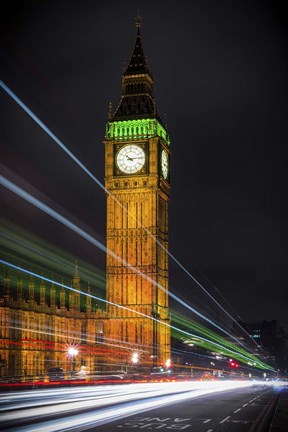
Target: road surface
x=188, y=406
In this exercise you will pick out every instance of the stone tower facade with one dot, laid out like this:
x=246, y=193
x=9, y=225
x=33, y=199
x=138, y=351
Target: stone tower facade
x=137, y=157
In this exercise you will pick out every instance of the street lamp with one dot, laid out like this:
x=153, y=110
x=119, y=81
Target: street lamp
x=72, y=353
x=168, y=363
x=135, y=358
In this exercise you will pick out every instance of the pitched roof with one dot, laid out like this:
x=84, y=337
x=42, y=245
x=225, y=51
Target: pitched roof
x=138, y=63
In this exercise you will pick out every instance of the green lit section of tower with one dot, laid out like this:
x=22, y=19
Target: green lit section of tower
x=140, y=128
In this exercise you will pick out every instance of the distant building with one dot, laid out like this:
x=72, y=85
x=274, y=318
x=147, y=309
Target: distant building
x=271, y=336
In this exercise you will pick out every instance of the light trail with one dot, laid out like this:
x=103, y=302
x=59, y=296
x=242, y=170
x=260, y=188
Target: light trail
x=62, y=346
x=179, y=319
x=57, y=216
x=48, y=210
x=51, y=134
x=24, y=244
x=231, y=352
x=176, y=319
x=100, y=184
x=105, y=405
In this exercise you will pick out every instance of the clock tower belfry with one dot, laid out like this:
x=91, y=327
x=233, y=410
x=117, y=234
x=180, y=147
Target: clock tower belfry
x=137, y=178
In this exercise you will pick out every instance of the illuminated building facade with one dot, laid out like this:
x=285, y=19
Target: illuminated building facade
x=137, y=155
x=39, y=323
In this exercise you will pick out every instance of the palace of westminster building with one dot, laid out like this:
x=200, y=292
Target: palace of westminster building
x=40, y=320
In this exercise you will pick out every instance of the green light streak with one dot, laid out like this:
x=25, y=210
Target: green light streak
x=209, y=340
x=26, y=250
x=226, y=348
x=136, y=129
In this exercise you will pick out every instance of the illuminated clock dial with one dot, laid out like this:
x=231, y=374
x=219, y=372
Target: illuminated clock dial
x=130, y=159
x=164, y=164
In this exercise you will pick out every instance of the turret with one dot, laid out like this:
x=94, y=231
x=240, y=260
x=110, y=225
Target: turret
x=88, y=299
x=52, y=295
x=6, y=283
x=31, y=287
x=76, y=285
x=42, y=293
x=62, y=297
x=19, y=287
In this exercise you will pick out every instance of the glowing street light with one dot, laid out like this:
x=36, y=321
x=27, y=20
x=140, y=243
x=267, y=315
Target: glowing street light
x=72, y=353
x=135, y=358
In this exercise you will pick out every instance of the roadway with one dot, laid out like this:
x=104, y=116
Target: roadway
x=236, y=406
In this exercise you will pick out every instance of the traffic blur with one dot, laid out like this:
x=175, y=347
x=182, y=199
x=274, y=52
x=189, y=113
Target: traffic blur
x=54, y=409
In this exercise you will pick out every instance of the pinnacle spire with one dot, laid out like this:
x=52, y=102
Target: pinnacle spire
x=76, y=270
x=76, y=278
x=138, y=19
x=137, y=64
x=137, y=99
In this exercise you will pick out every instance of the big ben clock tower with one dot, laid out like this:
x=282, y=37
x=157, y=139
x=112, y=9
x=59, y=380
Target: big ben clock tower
x=137, y=157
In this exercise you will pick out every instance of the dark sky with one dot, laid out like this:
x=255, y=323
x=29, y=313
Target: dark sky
x=220, y=71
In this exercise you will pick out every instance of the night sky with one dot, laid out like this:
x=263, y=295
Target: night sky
x=220, y=72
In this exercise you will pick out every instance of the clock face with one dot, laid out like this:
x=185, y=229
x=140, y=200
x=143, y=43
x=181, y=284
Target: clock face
x=130, y=159
x=164, y=164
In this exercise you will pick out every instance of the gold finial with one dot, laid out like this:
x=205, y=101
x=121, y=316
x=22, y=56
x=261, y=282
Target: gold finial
x=165, y=120
x=110, y=110
x=138, y=19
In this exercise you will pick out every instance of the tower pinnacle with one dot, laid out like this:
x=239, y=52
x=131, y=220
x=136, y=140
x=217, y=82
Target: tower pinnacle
x=137, y=99
x=138, y=19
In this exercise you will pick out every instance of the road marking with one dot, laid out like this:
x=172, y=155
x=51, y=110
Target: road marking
x=207, y=421
x=244, y=405
x=241, y=421
x=209, y=430
x=226, y=418
x=239, y=409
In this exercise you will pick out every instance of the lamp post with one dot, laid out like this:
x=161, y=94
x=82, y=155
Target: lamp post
x=135, y=359
x=168, y=365
x=72, y=352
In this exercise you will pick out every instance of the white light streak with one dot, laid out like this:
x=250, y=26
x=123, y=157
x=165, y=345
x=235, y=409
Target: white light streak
x=131, y=310
x=95, y=179
x=57, y=216
x=121, y=402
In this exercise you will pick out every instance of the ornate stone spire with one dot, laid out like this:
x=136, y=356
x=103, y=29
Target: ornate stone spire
x=31, y=287
x=88, y=299
x=62, y=297
x=76, y=278
x=137, y=64
x=52, y=295
x=42, y=293
x=74, y=297
x=138, y=19
x=19, y=289
x=6, y=285
x=137, y=100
